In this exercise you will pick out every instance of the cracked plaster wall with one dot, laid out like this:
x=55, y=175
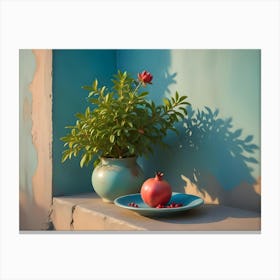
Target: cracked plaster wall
x=35, y=141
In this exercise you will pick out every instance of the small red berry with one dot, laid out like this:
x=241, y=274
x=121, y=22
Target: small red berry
x=132, y=204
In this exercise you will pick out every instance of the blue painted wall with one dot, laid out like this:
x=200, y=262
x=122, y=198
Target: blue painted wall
x=219, y=141
x=228, y=83
x=73, y=69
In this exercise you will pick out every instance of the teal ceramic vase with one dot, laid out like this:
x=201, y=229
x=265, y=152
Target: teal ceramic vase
x=117, y=177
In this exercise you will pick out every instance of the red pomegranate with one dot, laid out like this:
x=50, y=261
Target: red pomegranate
x=155, y=191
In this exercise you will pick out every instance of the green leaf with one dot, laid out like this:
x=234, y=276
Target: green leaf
x=143, y=94
x=102, y=90
x=80, y=116
x=83, y=160
x=166, y=102
x=184, y=110
x=177, y=95
x=93, y=101
x=95, y=85
x=180, y=114
x=182, y=98
x=64, y=139
x=107, y=98
x=91, y=93
x=112, y=138
x=131, y=149
x=87, y=88
x=87, y=112
x=65, y=156
x=96, y=162
x=185, y=103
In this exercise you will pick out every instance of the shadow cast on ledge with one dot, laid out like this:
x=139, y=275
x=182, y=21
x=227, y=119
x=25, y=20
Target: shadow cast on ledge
x=206, y=214
x=213, y=160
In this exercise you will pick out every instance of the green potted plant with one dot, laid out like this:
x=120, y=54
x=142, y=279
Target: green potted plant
x=120, y=125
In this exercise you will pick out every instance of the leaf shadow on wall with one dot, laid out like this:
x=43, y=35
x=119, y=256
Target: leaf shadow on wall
x=214, y=161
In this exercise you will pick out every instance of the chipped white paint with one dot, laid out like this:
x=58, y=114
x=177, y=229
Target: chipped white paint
x=35, y=152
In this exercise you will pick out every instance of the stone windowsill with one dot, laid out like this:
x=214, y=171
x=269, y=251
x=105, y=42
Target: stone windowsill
x=87, y=212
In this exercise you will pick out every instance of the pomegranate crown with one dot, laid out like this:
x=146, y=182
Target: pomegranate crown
x=159, y=175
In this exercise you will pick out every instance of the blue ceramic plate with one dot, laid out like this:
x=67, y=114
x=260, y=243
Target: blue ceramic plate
x=188, y=201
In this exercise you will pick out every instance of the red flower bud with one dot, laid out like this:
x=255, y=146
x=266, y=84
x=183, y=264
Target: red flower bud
x=145, y=77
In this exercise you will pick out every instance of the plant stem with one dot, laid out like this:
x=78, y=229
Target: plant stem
x=119, y=152
x=137, y=87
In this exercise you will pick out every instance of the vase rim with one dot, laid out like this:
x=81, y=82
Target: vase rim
x=112, y=158
x=119, y=161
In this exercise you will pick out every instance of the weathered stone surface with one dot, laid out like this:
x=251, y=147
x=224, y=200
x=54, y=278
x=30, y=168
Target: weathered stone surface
x=62, y=214
x=89, y=213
